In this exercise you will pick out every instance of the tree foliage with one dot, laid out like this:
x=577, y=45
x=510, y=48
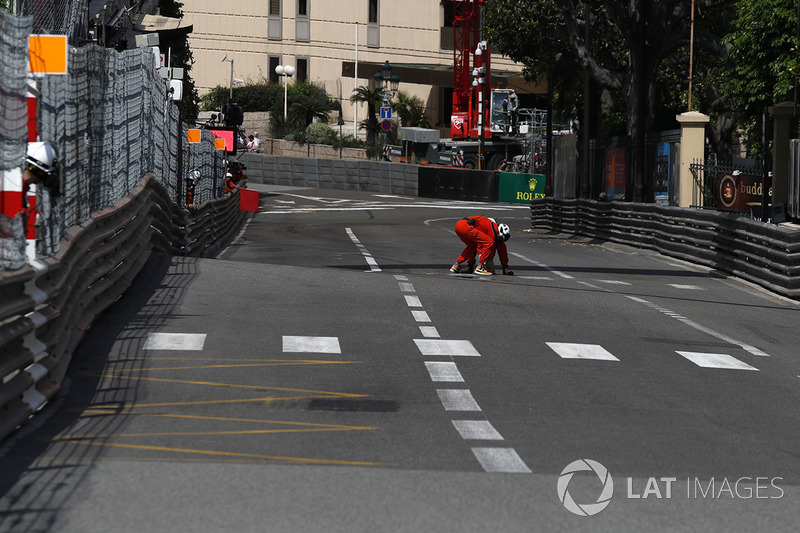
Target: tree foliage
x=411, y=110
x=373, y=99
x=181, y=56
x=762, y=69
x=629, y=41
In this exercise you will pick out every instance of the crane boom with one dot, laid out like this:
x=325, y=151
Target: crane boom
x=467, y=36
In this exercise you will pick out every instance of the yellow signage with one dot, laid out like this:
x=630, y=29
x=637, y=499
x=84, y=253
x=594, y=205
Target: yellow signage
x=194, y=136
x=219, y=144
x=47, y=54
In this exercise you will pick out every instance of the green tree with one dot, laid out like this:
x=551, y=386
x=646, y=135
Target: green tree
x=411, y=110
x=373, y=98
x=763, y=61
x=310, y=102
x=181, y=56
x=641, y=35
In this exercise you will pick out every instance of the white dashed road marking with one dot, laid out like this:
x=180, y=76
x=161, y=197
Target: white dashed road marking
x=413, y=301
x=429, y=331
x=716, y=360
x=420, y=316
x=502, y=460
x=581, y=351
x=457, y=400
x=699, y=327
x=476, y=430
x=175, y=341
x=373, y=265
x=297, y=344
x=446, y=347
x=444, y=371
x=541, y=265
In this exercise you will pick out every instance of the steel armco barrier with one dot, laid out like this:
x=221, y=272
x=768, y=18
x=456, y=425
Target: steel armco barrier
x=765, y=254
x=47, y=306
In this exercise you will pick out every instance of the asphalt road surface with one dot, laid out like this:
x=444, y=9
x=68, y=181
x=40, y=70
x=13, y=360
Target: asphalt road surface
x=328, y=373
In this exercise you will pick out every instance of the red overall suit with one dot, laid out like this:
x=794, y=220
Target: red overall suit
x=481, y=235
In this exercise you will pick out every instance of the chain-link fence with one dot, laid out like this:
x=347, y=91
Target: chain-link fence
x=111, y=121
x=58, y=17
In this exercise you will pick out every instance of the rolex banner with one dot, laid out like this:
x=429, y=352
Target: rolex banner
x=520, y=188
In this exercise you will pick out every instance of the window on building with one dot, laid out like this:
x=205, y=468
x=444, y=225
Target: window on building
x=449, y=13
x=373, y=11
x=302, y=25
x=274, y=61
x=275, y=21
x=373, y=27
x=302, y=69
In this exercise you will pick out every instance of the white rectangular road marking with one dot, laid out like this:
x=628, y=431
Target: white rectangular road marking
x=413, y=301
x=429, y=331
x=536, y=277
x=175, y=341
x=457, y=400
x=446, y=347
x=400, y=277
x=502, y=460
x=476, y=430
x=444, y=371
x=716, y=360
x=298, y=344
x=581, y=351
x=612, y=281
x=420, y=316
x=406, y=287
x=685, y=287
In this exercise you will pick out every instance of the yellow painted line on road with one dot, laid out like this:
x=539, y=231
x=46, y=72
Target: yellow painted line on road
x=127, y=458
x=226, y=385
x=298, y=427
x=215, y=453
x=250, y=420
x=199, y=433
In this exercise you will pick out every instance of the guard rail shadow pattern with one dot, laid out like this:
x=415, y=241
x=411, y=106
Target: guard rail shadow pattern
x=765, y=254
x=47, y=306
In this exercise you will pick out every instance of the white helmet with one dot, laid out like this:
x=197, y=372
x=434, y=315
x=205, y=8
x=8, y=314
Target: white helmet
x=504, y=231
x=42, y=155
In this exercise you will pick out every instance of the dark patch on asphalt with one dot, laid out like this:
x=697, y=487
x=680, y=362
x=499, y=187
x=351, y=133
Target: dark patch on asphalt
x=357, y=405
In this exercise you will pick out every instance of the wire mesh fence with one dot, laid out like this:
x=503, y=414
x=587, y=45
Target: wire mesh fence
x=111, y=121
x=58, y=17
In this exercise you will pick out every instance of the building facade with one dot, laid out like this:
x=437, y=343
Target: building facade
x=339, y=44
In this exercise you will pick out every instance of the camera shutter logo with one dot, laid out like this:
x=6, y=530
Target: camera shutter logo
x=587, y=509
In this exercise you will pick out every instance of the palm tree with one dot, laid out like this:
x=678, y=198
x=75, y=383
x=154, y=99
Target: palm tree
x=373, y=99
x=311, y=103
x=411, y=110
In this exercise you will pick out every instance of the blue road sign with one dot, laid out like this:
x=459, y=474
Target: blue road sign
x=386, y=113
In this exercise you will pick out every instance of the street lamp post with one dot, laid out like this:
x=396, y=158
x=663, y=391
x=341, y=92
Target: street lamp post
x=479, y=82
x=225, y=58
x=388, y=84
x=286, y=71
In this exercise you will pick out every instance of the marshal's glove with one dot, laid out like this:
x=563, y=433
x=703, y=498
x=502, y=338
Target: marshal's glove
x=507, y=271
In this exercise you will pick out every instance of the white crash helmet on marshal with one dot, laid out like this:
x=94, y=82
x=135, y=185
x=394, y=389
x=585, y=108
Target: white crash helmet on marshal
x=502, y=230
x=42, y=155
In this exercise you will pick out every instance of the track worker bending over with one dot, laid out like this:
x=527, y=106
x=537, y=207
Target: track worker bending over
x=484, y=236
